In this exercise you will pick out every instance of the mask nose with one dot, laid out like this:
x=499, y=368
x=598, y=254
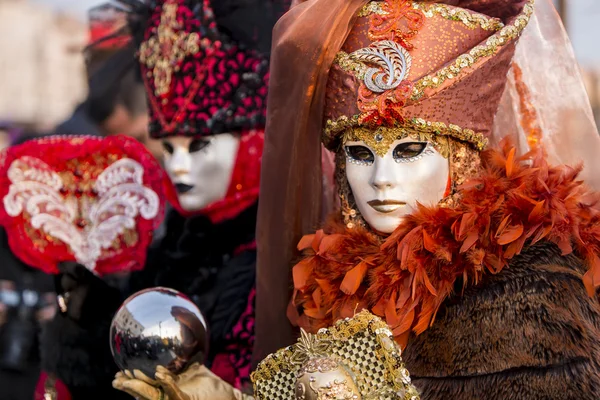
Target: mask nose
x=384, y=177
x=180, y=162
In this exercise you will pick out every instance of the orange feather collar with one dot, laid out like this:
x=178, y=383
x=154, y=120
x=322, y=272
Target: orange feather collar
x=404, y=278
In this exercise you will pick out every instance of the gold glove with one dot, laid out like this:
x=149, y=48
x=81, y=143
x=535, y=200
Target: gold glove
x=196, y=383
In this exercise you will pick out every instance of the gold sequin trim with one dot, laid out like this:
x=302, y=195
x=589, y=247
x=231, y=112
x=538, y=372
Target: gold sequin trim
x=350, y=65
x=492, y=45
x=470, y=19
x=372, y=7
x=413, y=126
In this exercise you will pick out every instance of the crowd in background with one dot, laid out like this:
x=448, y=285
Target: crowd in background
x=54, y=78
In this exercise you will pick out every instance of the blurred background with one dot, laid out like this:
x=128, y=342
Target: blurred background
x=54, y=79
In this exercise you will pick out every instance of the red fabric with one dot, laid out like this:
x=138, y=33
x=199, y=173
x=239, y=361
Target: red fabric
x=245, y=247
x=101, y=30
x=61, y=389
x=244, y=185
x=70, y=167
x=404, y=278
x=234, y=365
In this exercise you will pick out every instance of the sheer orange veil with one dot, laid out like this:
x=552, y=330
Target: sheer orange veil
x=545, y=103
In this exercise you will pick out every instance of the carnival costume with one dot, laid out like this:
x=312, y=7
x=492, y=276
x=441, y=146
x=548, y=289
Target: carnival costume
x=492, y=291
x=205, y=68
x=212, y=80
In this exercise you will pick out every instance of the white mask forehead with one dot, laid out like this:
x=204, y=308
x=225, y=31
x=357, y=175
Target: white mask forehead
x=388, y=187
x=200, y=168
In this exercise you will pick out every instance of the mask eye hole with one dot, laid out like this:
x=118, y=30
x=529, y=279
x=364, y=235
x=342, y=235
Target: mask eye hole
x=168, y=147
x=359, y=155
x=411, y=151
x=198, y=144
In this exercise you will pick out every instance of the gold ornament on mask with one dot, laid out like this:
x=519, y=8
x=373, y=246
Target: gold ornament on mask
x=325, y=379
x=381, y=139
x=320, y=376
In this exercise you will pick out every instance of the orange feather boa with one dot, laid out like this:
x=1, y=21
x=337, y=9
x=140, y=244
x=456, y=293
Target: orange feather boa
x=404, y=278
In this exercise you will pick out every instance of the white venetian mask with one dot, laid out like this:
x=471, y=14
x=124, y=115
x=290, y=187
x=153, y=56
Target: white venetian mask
x=387, y=188
x=200, y=168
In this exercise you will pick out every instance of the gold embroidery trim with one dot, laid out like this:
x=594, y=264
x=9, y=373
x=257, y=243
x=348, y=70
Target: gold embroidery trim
x=414, y=127
x=292, y=357
x=492, y=45
x=350, y=65
x=470, y=19
x=372, y=7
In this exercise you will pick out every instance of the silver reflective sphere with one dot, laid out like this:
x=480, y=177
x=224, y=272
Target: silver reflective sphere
x=158, y=326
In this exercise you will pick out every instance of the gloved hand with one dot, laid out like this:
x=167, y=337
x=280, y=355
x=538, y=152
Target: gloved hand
x=83, y=296
x=195, y=383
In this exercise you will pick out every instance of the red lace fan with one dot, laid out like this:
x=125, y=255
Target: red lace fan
x=92, y=200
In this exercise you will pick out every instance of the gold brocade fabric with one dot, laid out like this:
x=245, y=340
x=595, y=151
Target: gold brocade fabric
x=356, y=354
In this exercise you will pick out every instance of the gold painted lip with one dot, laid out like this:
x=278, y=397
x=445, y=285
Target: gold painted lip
x=386, y=206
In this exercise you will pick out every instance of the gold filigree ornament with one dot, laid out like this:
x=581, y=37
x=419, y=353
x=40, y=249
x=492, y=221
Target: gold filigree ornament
x=164, y=51
x=355, y=359
x=350, y=215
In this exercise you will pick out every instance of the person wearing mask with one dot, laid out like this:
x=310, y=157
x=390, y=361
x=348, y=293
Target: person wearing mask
x=207, y=95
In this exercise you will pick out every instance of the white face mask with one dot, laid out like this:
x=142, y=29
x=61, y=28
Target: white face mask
x=388, y=188
x=200, y=168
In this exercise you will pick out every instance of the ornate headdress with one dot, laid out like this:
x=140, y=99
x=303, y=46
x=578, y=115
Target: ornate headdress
x=205, y=66
x=421, y=68
x=356, y=358
x=378, y=71
x=93, y=200
x=430, y=71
